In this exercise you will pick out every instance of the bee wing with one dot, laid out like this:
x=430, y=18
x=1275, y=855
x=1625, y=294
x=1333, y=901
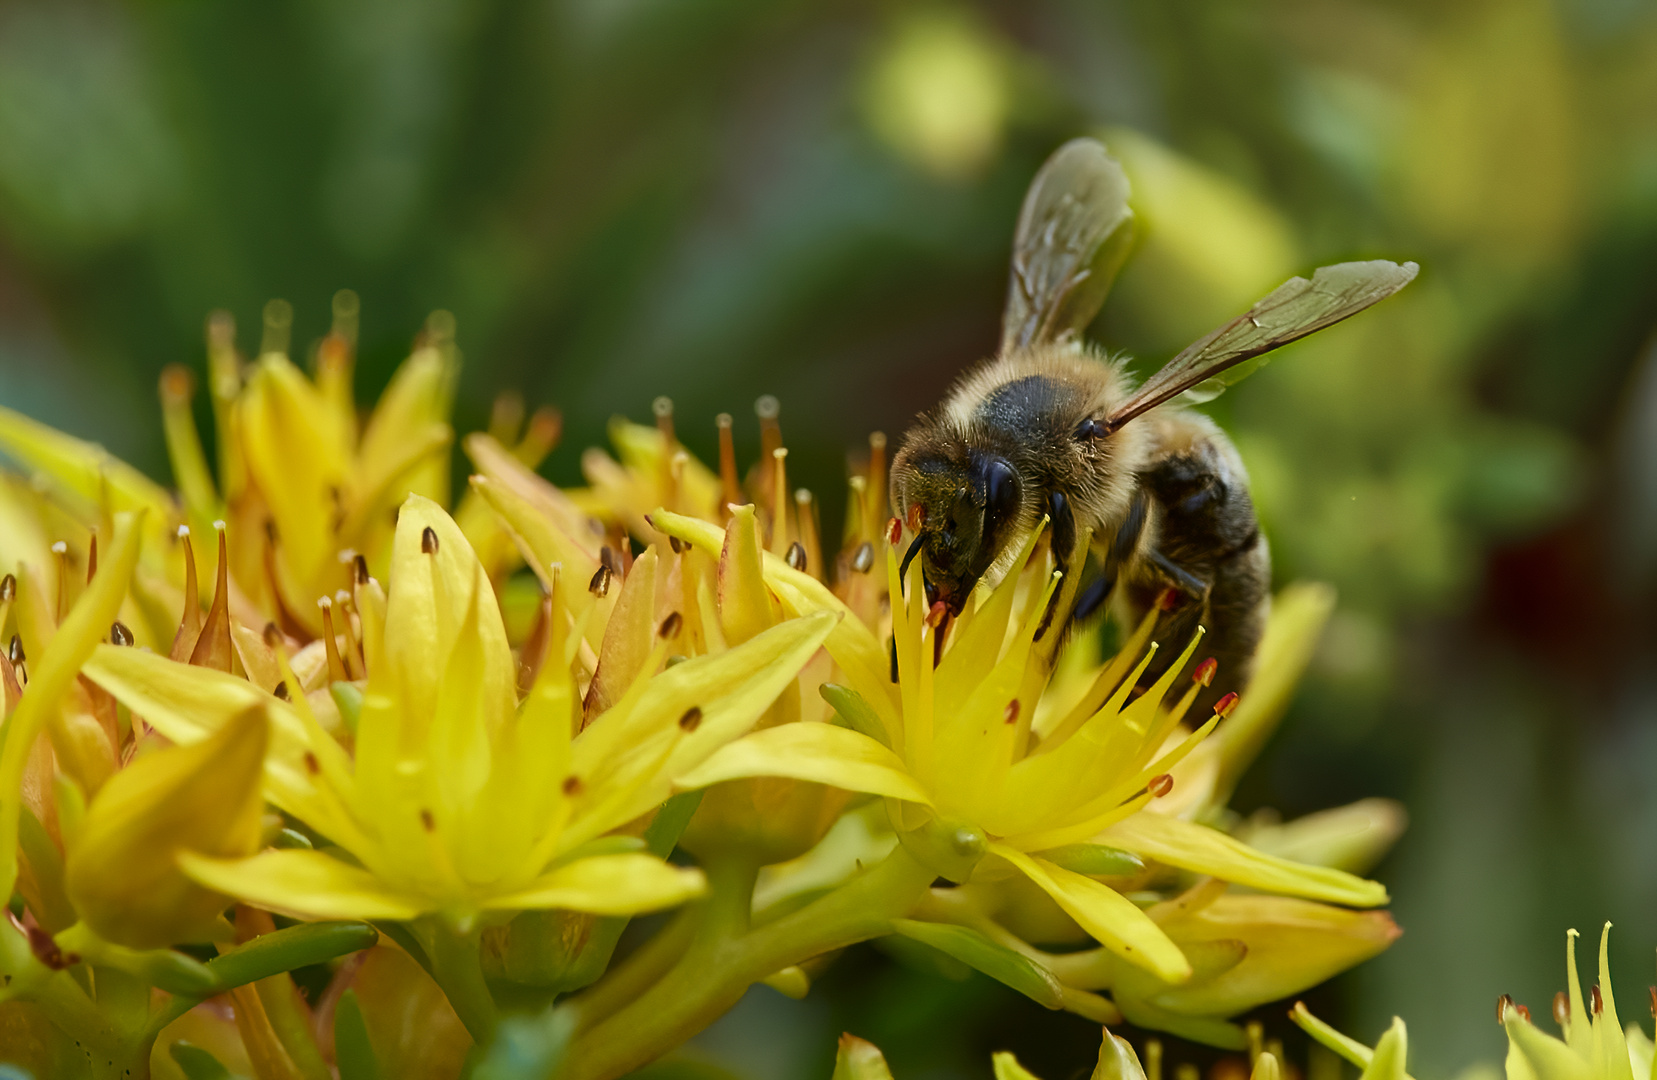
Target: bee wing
x=1073, y=235
x=1294, y=309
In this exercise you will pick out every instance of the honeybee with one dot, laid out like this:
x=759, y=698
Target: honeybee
x=1052, y=426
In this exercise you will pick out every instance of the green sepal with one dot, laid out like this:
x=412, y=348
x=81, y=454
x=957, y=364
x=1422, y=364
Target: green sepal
x=980, y=953
x=947, y=846
x=851, y=711
x=353, y=1053
x=164, y=968
x=287, y=839
x=47, y=866
x=284, y=950
x=348, y=697
x=661, y=836
x=1095, y=860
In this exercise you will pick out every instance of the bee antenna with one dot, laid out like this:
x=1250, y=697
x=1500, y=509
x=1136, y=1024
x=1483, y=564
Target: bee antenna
x=909, y=557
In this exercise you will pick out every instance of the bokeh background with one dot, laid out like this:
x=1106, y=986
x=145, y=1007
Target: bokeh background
x=624, y=198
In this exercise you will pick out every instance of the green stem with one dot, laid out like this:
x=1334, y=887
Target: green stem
x=457, y=968
x=641, y=969
x=727, y=957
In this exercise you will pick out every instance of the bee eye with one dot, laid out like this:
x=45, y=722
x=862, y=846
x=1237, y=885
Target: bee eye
x=1001, y=496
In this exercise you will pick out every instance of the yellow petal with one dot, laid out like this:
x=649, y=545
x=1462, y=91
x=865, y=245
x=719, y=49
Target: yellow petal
x=1351, y=838
x=1279, y=946
x=1208, y=851
x=298, y=457
x=858, y=1059
x=852, y=644
x=607, y=885
x=822, y=753
x=1110, y=917
x=418, y=397
x=188, y=704
x=120, y=872
x=1006, y=1067
x=304, y=884
x=745, y=606
x=55, y=672
x=1117, y=1061
x=438, y=592
x=625, y=760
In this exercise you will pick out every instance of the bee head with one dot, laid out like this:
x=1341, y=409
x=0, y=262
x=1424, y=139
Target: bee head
x=963, y=507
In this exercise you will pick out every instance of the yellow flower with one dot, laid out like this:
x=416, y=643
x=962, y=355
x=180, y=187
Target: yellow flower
x=460, y=801
x=858, y=1059
x=952, y=744
x=121, y=870
x=300, y=487
x=1595, y=1046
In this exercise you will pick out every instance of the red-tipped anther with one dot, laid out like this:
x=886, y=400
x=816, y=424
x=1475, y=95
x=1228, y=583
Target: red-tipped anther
x=1224, y=707
x=1160, y=785
x=1166, y=600
x=1562, y=1006
x=1524, y=1013
x=1503, y=1004
x=917, y=517
x=1205, y=672
x=935, y=615
x=894, y=532
x=1598, y=1000
x=1653, y=990
x=1011, y=712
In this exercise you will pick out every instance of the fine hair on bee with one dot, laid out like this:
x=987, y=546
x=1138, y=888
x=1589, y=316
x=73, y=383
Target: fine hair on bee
x=1052, y=427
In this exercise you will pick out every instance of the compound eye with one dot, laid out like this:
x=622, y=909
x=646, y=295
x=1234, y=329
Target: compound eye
x=1001, y=495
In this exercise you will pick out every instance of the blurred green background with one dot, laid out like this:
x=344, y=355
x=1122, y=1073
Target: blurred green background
x=624, y=198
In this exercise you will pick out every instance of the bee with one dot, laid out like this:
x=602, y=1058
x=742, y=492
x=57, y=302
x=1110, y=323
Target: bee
x=1053, y=427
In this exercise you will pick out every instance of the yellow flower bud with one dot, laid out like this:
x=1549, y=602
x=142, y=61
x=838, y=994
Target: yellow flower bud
x=121, y=873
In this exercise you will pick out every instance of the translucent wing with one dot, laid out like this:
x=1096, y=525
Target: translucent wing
x=1294, y=309
x=1073, y=235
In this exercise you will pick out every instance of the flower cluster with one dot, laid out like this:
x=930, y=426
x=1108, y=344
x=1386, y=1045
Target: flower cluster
x=408, y=762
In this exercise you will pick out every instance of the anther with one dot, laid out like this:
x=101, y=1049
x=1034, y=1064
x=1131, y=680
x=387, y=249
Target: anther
x=273, y=635
x=8, y=589
x=359, y=569
x=1562, y=1006
x=1598, y=1000
x=607, y=555
x=670, y=626
x=935, y=614
x=428, y=541
x=572, y=786
x=312, y=765
x=1160, y=785
x=894, y=531
x=1224, y=707
x=427, y=821
x=91, y=557
x=1010, y=713
x=679, y=546
x=281, y=692
x=796, y=556
x=917, y=517
x=692, y=719
x=60, y=548
x=1166, y=600
x=1653, y=990
x=1524, y=1013
x=599, y=586
x=1205, y=672
x=1503, y=1004
x=119, y=634
x=864, y=557
x=15, y=653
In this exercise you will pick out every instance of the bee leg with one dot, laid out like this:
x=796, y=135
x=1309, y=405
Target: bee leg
x=1063, y=523
x=1181, y=578
x=1126, y=542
